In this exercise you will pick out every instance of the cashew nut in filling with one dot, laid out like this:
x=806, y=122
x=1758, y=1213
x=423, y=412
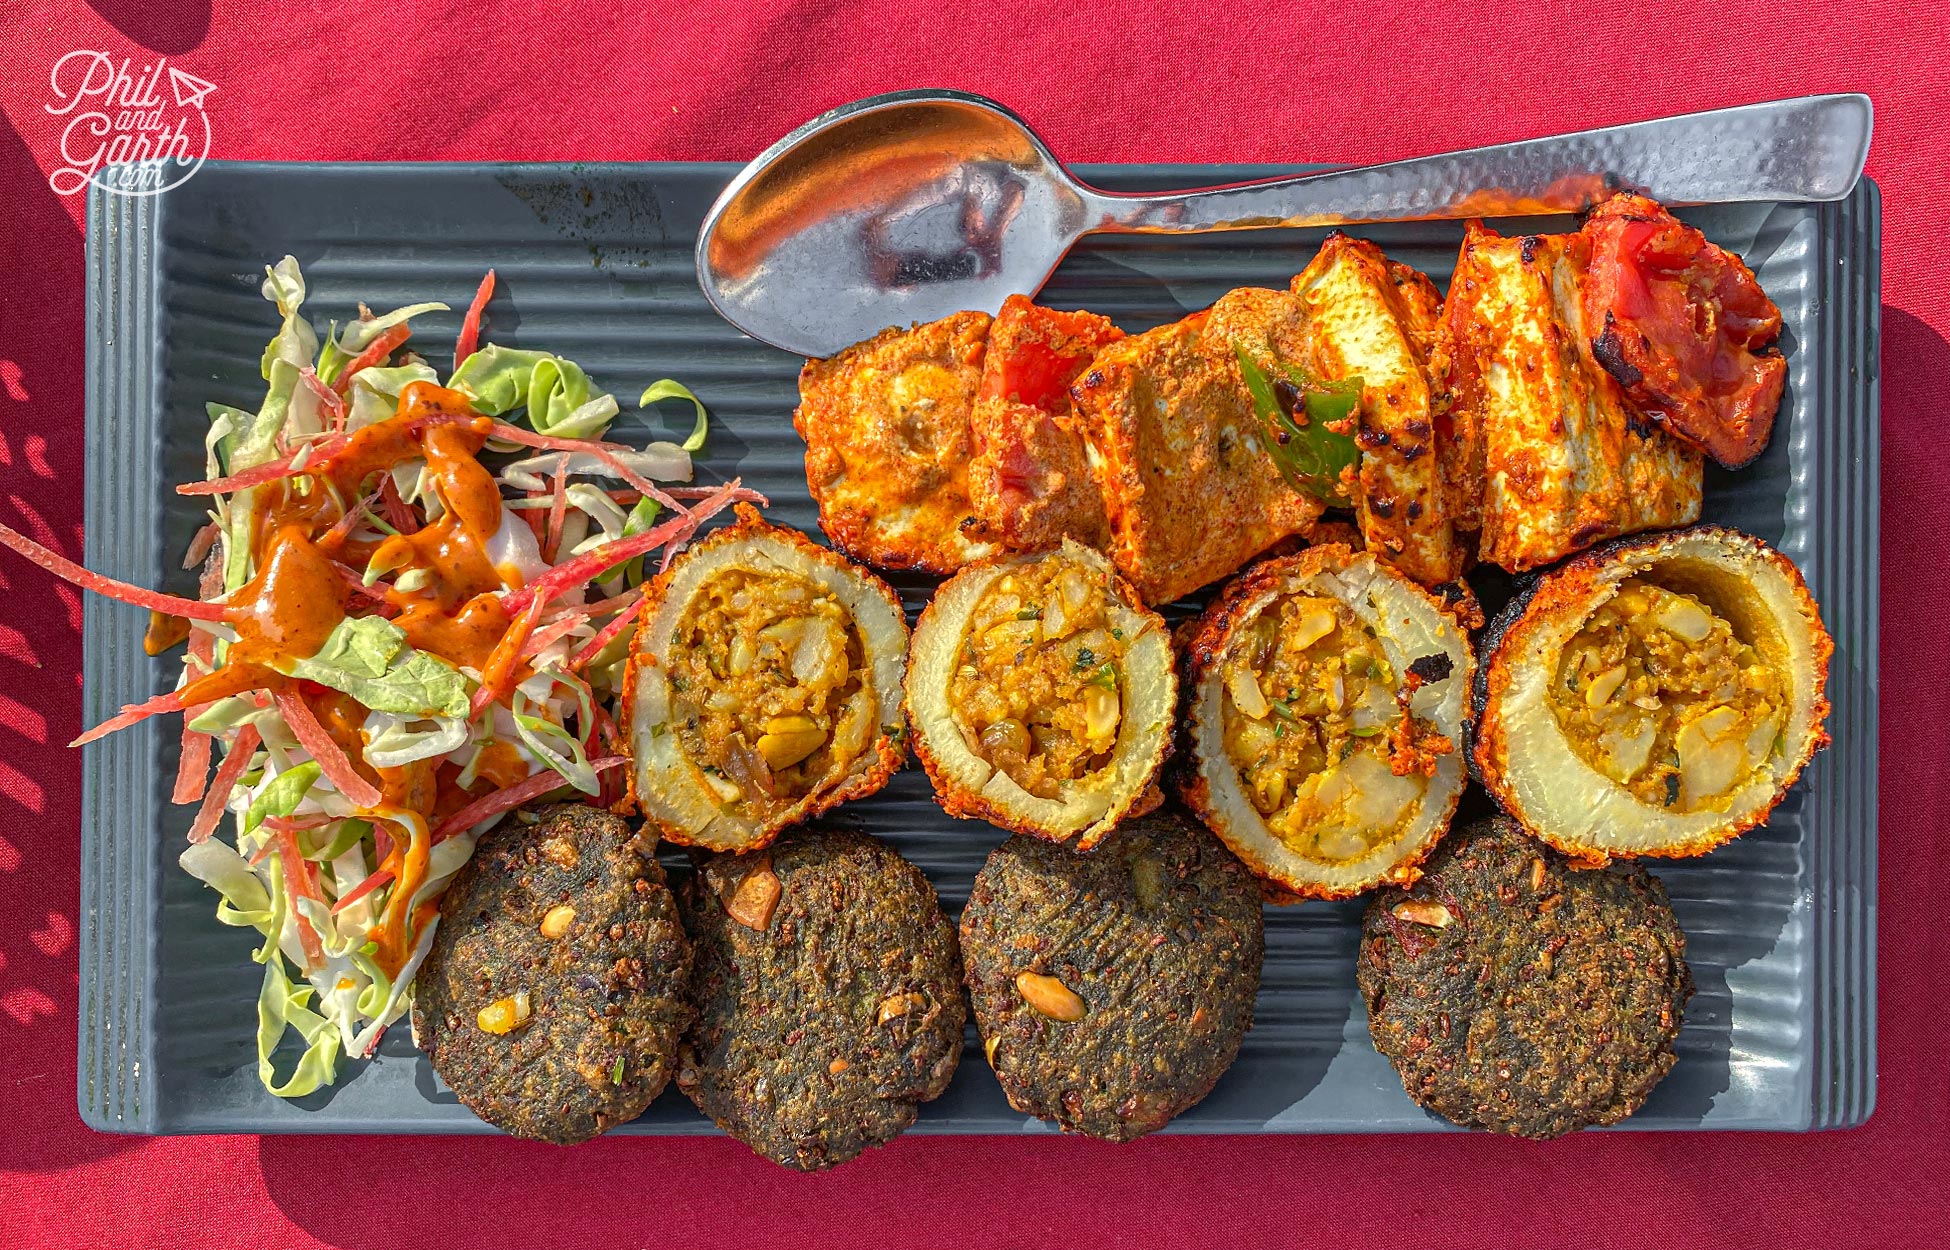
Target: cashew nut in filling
x=1326, y=718
x=1658, y=693
x=764, y=687
x=1041, y=694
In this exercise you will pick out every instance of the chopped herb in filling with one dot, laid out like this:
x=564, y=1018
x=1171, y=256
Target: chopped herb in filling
x=1658, y=693
x=1039, y=691
x=769, y=687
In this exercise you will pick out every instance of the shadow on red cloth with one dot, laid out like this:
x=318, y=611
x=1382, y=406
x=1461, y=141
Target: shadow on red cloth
x=168, y=26
x=40, y=673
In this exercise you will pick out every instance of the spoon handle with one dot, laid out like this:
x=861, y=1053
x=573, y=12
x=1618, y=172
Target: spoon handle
x=1808, y=148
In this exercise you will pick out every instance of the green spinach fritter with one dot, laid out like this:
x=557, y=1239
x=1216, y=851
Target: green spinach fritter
x=828, y=989
x=553, y=998
x=1516, y=993
x=1113, y=988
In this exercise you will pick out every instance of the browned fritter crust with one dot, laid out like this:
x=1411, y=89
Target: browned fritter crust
x=1516, y=993
x=886, y=424
x=1567, y=589
x=1159, y=935
x=1189, y=492
x=607, y=994
x=886, y=754
x=826, y=1017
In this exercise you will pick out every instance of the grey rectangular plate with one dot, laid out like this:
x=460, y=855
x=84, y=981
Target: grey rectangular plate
x=594, y=262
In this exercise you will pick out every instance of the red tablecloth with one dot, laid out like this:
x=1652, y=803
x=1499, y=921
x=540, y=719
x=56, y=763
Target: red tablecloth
x=1102, y=81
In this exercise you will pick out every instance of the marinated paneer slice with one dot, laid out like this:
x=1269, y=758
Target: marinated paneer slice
x=1560, y=457
x=886, y=424
x=1189, y=491
x=1371, y=318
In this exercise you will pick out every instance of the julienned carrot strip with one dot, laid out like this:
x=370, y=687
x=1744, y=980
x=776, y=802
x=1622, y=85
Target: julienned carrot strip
x=498, y=674
x=193, y=758
x=558, y=509
x=361, y=890
x=299, y=883
x=605, y=452
x=590, y=563
x=376, y=351
x=470, y=325
x=552, y=631
x=214, y=798
x=331, y=405
x=331, y=760
x=67, y=570
x=131, y=714
x=504, y=800
x=605, y=636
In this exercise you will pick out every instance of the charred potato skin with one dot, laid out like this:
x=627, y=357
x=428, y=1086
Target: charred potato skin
x=877, y=441
x=1545, y=998
x=826, y=1020
x=1568, y=589
x=959, y=801
x=608, y=990
x=1203, y=645
x=885, y=754
x=1160, y=935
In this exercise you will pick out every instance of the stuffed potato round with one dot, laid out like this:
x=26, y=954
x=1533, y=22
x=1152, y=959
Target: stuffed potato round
x=763, y=687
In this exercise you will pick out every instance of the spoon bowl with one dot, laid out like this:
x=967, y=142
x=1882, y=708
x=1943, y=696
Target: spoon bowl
x=910, y=206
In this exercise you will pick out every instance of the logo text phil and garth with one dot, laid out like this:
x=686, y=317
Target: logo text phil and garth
x=122, y=133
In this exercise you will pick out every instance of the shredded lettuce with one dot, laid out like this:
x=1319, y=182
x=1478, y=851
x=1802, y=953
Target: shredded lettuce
x=245, y=903
x=350, y=833
x=282, y=796
x=225, y=422
x=296, y=343
x=557, y=748
x=393, y=741
x=367, y=658
x=280, y=1006
x=375, y=391
x=359, y=335
x=671, y=389
x=560, y=399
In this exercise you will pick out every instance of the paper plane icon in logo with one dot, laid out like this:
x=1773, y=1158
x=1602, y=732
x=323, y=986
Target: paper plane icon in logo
x=189, y=89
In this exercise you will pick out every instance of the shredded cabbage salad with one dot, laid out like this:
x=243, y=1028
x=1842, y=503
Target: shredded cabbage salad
x=413, y=618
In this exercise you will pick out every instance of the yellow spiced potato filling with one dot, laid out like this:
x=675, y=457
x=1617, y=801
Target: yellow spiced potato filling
x=768, y=686
x=1038, y=692
x=1312, y=721
x=1658, y=693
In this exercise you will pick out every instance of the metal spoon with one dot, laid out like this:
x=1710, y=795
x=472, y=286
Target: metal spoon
x=913, y=205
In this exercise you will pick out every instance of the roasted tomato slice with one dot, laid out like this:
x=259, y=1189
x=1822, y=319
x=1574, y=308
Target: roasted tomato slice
x=1029, y=476
x=1035, y=353
x=1685, y=329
